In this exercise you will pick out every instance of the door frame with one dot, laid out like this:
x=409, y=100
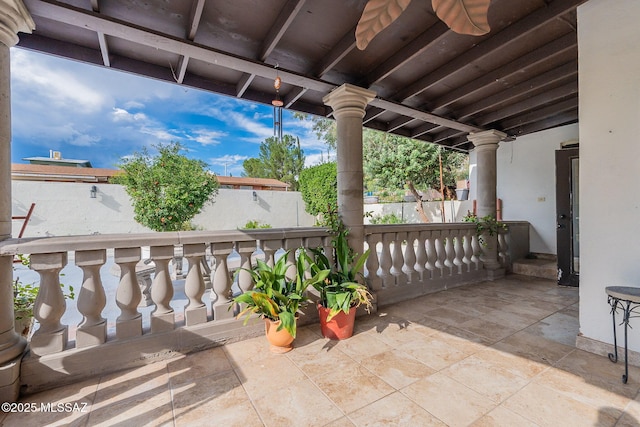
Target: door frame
x=565, y=214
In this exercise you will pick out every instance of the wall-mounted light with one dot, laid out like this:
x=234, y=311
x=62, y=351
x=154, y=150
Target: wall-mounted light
x=255, y=196
x=93, y=191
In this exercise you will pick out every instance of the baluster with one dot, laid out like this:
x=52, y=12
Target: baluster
x=91, y=300
x=449, y=251
x=177, y=263
x=128, y=294
x=221, y=288
x=245, y=249
x=503, y=250
x=458, y=250
x=206, y=269
x=477, y=250
x=270, y=247
x=432, y=256
x=410, y=258
x=195, y=312
x=441, y=254
x=468, y=251
x=51, y=336
x=398, y=259
x=388, y=279
x=292, y=245
x=373, y=279
x=421, y=256
x=162, y=317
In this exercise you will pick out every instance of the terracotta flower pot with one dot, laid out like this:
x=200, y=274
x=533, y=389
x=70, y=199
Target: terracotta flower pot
x=281, y=341
x=340, y=326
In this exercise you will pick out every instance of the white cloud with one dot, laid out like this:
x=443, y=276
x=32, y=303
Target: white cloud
x=134, y=105
x=207, y=137
x=84, y=140
x=228, y=159
x=122, y=115
x=254, y=127
x=159, y=133
x=61, y=87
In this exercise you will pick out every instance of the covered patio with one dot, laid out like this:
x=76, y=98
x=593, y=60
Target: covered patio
x=499, y=353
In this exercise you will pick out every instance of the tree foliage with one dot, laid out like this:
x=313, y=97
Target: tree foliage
x=279, y=159
x=319, y=188
x=167, y=189
x=391, y=161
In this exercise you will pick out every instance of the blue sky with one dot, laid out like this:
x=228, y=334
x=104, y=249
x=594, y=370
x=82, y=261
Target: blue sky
x=97, y=114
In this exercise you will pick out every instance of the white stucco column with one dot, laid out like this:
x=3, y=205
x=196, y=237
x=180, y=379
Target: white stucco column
x=14, y=18
x=486, y=145
x=348, y=103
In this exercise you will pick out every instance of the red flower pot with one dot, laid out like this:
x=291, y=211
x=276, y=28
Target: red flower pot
x=340, y=326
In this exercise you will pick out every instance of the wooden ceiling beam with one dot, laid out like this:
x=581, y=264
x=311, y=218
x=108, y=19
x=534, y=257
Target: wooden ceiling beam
x=417, y=46
x=557, y=120
x=341, y=49
x=551, y=77
x=558, y=93
x=279, y=27
x=561, y=46
x=540, y=114
x=511, y=34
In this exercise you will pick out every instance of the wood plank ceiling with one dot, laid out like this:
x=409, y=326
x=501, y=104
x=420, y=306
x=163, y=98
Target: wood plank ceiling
x=431, y=83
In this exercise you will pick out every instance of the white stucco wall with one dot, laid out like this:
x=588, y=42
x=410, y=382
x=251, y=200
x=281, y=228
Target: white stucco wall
x=609, y=79
x=526, y=182
x=64, y=209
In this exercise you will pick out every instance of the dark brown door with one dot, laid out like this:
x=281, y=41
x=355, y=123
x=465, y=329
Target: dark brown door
x=568, y=216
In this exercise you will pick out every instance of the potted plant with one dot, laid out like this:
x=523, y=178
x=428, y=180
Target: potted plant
x=278, y=299
x=488, y=224
x=340, y=293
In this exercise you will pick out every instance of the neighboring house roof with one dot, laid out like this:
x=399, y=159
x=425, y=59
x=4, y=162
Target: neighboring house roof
x=39, y=172
x=58, y=162
x=256, y=183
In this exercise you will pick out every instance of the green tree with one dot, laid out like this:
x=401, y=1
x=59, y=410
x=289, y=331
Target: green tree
x=392, y=161
x=279, y=159
x=167, y=189
x=319, y=188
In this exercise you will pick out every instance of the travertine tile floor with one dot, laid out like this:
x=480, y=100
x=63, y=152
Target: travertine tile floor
x=493, y=354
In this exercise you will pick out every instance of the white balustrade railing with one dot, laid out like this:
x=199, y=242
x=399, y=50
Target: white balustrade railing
x=416, y=259
x=405, y=261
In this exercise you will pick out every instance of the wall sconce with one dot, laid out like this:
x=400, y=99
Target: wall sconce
x=255, y=196
x=93, y=191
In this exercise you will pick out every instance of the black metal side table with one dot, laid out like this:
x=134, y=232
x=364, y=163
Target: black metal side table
x=628, y=299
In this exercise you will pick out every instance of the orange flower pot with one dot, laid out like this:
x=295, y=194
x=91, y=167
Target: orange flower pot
x=340, y=326
x=281, y=341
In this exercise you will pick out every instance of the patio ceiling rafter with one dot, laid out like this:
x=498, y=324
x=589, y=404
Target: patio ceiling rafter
x=511, y=34
x=431, y=84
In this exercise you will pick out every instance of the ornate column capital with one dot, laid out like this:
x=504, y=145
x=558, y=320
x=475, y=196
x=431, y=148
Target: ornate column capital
x=486, y=137
x=14, y=18
x=349, y=100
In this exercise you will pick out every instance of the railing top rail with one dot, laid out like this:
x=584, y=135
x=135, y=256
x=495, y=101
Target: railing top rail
x=111, y=241
x=394, y=228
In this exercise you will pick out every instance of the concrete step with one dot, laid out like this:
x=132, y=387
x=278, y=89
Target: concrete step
x=545, y=267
